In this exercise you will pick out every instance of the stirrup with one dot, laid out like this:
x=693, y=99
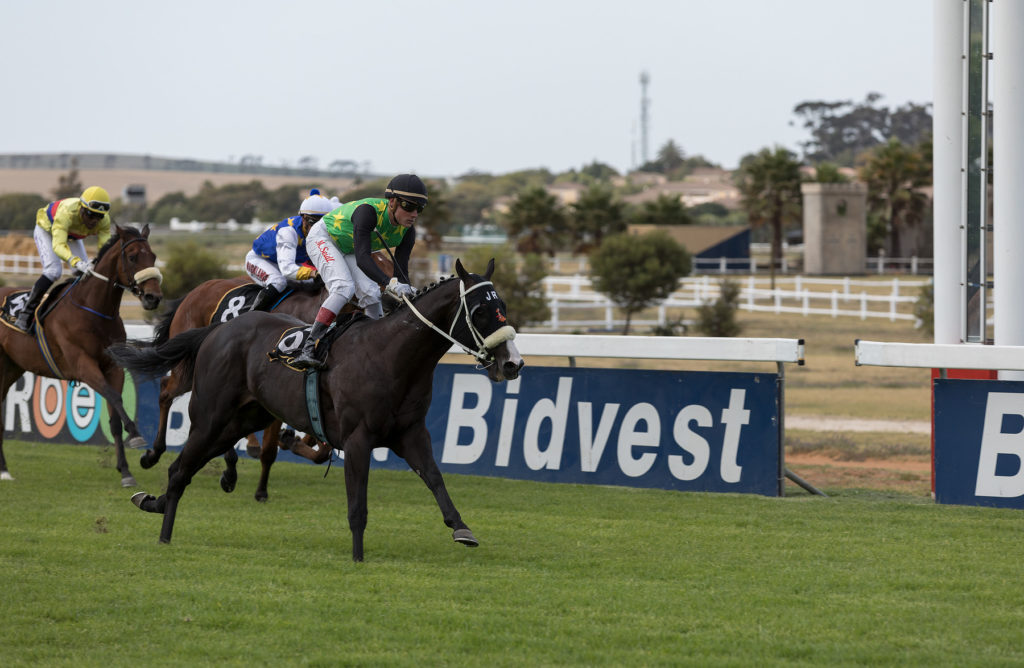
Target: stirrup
x=307, y=362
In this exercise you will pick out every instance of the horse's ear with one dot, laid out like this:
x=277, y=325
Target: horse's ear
x=117, y=229
x=490, y=270
x=145, y=231
x=460, y=270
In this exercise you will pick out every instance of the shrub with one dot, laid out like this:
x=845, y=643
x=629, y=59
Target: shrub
x=718, y=317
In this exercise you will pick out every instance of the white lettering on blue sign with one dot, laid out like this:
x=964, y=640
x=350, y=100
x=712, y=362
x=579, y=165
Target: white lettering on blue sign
x=637, y=441
x=994, y=443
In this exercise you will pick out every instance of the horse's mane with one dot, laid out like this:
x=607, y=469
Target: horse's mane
x=398, y=304
x=114, y=237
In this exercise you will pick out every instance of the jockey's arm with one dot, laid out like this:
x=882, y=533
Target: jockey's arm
x=403, y=252
x=364, y=222
x=287, y=242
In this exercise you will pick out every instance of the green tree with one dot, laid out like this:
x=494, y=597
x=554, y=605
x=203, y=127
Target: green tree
x=842, y=130
x=828, y=172
x=637, y=271
x=18, y=210
x=238, y=201
x=522, y=288
x=436, y=220
x=187, y=264
x=597, y=214
x=718, y=317
x=895, y=175
x=665, y=210
x=537, y=222
x=172, y=205
x=769, y=185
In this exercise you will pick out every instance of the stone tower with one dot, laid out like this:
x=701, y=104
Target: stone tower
x=835, y=228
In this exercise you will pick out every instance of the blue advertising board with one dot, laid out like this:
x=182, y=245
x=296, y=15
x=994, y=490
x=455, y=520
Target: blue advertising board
x=680, y=430
x=979, y=442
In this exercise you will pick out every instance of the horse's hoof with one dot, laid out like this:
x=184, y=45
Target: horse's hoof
x=261, y=497
x=4, y=475
x=148, y=459
x=129, y=481
x=466, y=537
x=253, y=451
x=139, y=498
x=136, y=443
x=227, y=485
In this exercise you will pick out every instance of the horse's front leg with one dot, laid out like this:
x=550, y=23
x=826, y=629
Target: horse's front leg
x=416, y=449
x=357, y=476
x=109, y=382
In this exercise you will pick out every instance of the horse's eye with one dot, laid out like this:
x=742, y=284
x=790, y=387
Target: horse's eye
x=133, y=259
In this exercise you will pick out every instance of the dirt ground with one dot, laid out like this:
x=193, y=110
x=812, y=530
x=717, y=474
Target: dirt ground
x=906, y=475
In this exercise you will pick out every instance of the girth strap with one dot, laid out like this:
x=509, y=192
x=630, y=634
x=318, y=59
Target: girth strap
x=312, y=378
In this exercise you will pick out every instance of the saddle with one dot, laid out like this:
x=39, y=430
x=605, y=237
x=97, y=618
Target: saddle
x=289, y=345
x=14, y=303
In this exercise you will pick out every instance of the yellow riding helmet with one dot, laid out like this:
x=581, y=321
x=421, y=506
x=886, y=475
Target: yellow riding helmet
x=95, y=199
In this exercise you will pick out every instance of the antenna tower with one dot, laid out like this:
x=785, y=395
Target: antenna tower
x=644, y=102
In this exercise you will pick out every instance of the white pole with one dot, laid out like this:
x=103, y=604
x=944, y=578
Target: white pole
x=946, y=153
x=1007, y=23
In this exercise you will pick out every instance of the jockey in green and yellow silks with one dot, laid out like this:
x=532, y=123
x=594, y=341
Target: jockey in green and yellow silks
x=340, y=247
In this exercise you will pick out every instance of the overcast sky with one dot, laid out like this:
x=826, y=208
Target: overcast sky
x=444, y=87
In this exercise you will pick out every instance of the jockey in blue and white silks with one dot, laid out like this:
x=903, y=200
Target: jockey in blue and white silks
x=279, y=254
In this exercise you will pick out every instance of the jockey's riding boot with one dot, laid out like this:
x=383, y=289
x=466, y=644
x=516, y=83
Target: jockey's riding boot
x=307, y=358
x=374, y=310
x=28, y=312
x=265, y=299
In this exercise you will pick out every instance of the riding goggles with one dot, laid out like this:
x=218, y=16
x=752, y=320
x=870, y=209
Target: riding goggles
x=410, y=206
x=96, y=206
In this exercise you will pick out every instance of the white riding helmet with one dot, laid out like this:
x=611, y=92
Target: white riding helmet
x=317, y=205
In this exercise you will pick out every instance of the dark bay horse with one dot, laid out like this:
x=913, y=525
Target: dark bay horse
x=375, y=392
x=85, y=320
x=197, y=309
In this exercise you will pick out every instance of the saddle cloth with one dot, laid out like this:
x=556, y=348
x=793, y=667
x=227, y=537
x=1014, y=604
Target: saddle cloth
x=290, y=343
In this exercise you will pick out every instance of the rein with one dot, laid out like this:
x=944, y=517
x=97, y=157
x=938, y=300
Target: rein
x=134, y=286
x=482, y=353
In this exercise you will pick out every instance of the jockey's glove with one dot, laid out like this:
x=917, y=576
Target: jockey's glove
x=82, y=266
x=397, y=289
x=305, y=273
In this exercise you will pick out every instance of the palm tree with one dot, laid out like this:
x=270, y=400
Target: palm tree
x=597, y=214
x=537, y=221
x=769, y=184
x=895, y=173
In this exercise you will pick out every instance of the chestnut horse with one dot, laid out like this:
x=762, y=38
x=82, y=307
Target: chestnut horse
x=375, y=392
x=83, y=322
x=197, y=309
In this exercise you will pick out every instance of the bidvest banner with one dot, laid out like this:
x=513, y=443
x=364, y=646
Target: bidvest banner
x=681, y=430
x=979, y=442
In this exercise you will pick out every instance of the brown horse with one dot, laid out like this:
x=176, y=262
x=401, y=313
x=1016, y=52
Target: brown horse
x=197, y=309
x=83, y=322
x=376, y=391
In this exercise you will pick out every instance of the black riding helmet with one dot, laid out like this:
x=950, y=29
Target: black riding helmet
x=409, y=187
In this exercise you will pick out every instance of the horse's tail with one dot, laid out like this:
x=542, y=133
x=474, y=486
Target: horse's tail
x=152, y=360
x=162, y=331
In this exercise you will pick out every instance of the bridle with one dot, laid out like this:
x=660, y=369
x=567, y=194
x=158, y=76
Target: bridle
x=484, y=343
x=141, y=276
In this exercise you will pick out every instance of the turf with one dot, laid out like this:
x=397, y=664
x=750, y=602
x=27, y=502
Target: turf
x=565, y=574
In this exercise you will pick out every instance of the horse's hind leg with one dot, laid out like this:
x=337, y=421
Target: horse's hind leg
x=168, y=392
x=268, y=455
x=200, y=447
x=229, y=478
x=416, y=449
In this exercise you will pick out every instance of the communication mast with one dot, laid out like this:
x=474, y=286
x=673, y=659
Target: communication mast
x=644, y=102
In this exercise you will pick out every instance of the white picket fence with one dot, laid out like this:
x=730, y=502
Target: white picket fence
x=836, y=297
